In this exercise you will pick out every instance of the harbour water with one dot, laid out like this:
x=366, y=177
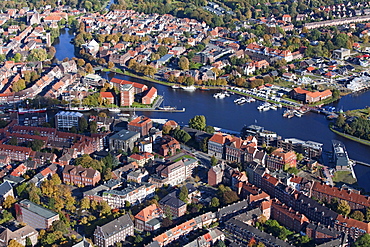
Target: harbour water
x=226, y=114
x=63, y=46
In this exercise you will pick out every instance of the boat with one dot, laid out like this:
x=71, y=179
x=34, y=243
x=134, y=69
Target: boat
x=114, y=110
x=189, y=88
x=167, y=108
x=123, y=114
x=175, y=86
x=264, y=106
x=273, y=107
x=24, y=111
x=250, y=100
x=204, y=88
x=80, y=109
x=297, y=114
x=219, y=95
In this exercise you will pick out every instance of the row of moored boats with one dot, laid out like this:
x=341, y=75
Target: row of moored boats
x=268, y=106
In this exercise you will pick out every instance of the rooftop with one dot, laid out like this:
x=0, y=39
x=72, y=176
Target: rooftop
x=37, y=209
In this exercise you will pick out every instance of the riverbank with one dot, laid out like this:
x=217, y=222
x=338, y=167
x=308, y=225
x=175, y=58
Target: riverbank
x=350, y=137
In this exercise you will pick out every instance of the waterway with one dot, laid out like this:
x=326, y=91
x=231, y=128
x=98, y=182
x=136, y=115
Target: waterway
x=63, y=46
x=224, y=113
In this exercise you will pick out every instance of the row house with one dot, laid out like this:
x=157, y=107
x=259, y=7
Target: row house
x=221, y=173
x=141, y=159
x=16, y=153
x=78, y=175
x=287, y=217
x=270, y=52
x=235, y=149
x=326, y=193
x=133, y=193
x=150, y=96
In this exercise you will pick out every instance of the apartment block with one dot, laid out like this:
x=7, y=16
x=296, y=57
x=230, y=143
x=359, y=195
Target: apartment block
x=35, y=215
x=79, y=175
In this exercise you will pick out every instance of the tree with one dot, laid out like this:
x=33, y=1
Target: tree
x=362, y=241
x=36, y=144
x=102, y=114
x=215, y=202
x=37, y=55
x=220, y=243
x=209, y=129
x=28, y=242
x=213, y=160
x=82, y=124
x=107, y=174
x=162, y=50
x=138, y=239
x=56, y=179
x=59, y=225
x=198, y=122
x=85, y=203
x=93, y=127
x=13, y=243
x=13, y=141
x=184, y=63
x=357, y=215
x=166, y=222
x=184, y=193
x=104, y=208
x=80, y=62
x=9, y=201
x=110, y=64
x=17, y=57
x=19, y=85
x=367, y=216
x=341, y=121
x=343, y=208
x=89, y=68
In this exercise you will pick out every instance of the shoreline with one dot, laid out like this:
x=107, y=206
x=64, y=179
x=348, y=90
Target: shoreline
x=350, y=137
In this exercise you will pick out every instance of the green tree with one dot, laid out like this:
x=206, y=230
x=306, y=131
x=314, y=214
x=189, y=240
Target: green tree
x=59, y=225
x=343, y=208
x=367, y=216
x=198, y=122
x=341, y=120
x=105, y=209
x=13, y=141
x=36, y=144
x=138, y=239
x=17, y=57
x=209, y=129
x=357, y=215
x=56, y=179
x=19, y=85
x=28, y=242
x=184, y=193
x=82, y=124
x=162, y=50
x=213, y=161
x=93, y=127
x=362, y=241
x=184, y=63
x=181, y=136
x=37, y=55
x=215, y=202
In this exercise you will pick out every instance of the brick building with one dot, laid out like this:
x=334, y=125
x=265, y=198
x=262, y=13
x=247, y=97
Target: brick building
x=114, y=232
x=217, y=145
x=169, y=145
x=279, y=160
x=79, y=175
x=150, y=96
x=35, y=215
x=309, y=97
x=287, y=217
x=140, y=124
x=107, y=96
x=148, y=219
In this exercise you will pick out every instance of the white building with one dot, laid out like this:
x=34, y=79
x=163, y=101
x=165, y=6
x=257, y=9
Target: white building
x=67, y=120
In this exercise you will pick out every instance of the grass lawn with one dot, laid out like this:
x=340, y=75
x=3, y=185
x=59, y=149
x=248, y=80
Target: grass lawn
x=344, y=177
x=359, y=112
x=182, y=157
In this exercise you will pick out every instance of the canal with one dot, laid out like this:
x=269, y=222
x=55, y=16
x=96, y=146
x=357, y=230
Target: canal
x=224, y=113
